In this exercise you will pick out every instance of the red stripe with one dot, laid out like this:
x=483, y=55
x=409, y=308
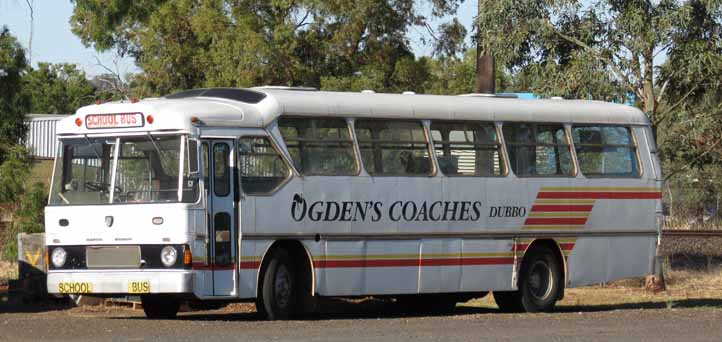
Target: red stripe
x=600, y=195
x=250, y=264
x=567, y=246
x=556, y=220
x=411, y=262
x=561, y=208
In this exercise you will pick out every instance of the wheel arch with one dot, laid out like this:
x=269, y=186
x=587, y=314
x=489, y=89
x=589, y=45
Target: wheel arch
x=296, y=249
x=556, y=248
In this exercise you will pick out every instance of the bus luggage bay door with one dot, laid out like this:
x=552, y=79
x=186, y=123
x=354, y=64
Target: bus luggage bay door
x=220, y=214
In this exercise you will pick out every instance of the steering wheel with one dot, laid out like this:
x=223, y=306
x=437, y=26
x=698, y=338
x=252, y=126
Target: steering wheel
x=98, y=186
x=95, y=186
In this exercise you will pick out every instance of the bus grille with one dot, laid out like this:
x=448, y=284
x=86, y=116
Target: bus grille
x=113, y=256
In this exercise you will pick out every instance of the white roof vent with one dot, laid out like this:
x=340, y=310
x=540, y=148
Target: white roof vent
x=499, y=95
x=557, y=98
x=408, y=93
x=368, y=91
x=286, y=88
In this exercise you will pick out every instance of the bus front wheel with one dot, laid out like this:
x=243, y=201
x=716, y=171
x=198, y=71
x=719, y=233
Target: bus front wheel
x=279, y=295
x=540, y=284
x=160, y=306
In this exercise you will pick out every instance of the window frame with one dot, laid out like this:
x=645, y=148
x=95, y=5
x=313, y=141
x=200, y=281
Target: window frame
x=352, y=137
x=500, y=146
x=289, y=165
x=633, y=144
x=427, y=136
x=570, y=144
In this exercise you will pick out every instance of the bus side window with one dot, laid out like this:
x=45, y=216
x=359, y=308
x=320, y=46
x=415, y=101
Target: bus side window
x=393, y=148
x=538, y=149
x=467, y=148
x=606, y=151
x=319, y=146
x=261, y=168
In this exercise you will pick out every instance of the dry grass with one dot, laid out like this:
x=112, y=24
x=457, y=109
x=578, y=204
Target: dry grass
x=684, y=288
x=8, y=270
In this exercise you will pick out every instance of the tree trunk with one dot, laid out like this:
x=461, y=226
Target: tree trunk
x=485, y=73
x=485, y=68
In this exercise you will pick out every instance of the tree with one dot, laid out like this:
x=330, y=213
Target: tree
x=255, y=42
x=602, y=49
x=13, y=103
x=57, y=89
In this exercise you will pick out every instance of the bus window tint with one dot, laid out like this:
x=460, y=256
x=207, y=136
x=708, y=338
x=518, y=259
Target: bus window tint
x=538, y=150
x=605, y=151
x=393, y=147
x=467, y=148
x=221, y=175
x=262, y=169
x=319, y=146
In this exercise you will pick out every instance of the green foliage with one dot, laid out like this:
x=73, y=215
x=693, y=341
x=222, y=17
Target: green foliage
x=336, y=44
x=13, y=172
x=13, y=103
x=57, y=89
x=27, y=201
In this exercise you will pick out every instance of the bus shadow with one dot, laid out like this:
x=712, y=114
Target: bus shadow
x=339, y=309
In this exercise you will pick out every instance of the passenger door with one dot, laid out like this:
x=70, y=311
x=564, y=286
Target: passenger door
x=221, y=216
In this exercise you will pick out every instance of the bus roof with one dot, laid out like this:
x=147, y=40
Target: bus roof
x=258, y=107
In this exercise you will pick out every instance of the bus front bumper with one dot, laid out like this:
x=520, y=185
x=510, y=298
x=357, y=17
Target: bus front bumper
x=120, y=282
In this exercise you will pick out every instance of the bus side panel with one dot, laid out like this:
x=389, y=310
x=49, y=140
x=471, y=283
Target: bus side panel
x=252, y=252
x=491, y=265
x=603, y=259
x=447, y=278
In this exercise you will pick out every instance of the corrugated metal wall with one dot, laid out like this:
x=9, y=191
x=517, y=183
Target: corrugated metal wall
x=41, y=140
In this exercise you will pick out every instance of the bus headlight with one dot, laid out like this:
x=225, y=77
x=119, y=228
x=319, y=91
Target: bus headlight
x=58, y=257
x=168, y=256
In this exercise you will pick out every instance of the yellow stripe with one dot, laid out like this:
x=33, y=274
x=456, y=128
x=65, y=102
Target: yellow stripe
x=249, y=258
x=563, y=201
x=413, y=256
x=599, y=188
x=559, y=227
x=566, y=240
x=559, y=214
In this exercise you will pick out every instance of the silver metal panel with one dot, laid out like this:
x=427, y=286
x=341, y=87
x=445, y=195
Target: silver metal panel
x=117, y=281
x=112, y=256
x=41, y=139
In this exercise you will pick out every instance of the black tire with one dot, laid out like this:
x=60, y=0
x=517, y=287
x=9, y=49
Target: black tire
x=284, y=292
x=160, y=306
x=541, y=282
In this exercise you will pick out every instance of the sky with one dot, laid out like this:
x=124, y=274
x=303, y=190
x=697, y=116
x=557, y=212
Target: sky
x=54, y=42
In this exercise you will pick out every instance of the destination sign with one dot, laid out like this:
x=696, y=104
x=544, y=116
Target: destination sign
x=122, y=120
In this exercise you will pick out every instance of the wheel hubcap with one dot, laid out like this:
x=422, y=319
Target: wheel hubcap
x=540, y=280
x=282, y=286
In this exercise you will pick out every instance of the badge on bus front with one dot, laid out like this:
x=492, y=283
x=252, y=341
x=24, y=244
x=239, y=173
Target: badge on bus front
x=138, y=287
x=75, y=287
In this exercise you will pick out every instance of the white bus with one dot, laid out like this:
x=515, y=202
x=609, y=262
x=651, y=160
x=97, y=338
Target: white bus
x=283, y=195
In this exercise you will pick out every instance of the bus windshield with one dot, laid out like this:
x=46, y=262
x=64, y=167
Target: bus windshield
x=148, y=170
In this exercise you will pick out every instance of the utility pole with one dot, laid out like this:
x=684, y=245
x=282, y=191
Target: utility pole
x=485, y=65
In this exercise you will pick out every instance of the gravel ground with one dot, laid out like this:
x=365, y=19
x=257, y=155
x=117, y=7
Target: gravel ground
x=699, y=321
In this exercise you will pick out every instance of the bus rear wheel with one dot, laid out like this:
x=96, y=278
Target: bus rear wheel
x=540, y=284
x=160, y=306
